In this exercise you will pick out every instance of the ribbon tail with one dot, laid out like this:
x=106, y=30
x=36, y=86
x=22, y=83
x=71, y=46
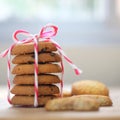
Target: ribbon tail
x=76, y=69
x=4, y=53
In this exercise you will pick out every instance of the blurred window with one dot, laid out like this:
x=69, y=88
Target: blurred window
x=62, y=10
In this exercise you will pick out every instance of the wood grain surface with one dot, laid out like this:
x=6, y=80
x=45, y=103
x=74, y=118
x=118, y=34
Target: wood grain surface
x=8, y=112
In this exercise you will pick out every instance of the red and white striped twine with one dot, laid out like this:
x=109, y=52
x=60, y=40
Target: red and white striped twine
x=45, y=34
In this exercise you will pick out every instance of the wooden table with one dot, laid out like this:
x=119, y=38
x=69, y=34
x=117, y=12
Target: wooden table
x=8, y=112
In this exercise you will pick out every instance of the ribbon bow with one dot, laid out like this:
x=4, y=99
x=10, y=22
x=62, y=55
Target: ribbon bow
x=45, y=34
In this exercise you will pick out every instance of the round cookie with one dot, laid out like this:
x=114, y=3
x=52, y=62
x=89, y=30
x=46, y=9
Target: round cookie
x=89, y=87
x=42, y=79
x=29, y=48
x=72, y=103
x=102, y=100
x=42, y=58
x=29, y=100
x=24, y=69
x=29, y=90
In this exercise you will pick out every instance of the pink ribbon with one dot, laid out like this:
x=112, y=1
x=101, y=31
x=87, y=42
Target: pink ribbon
x=45, y=34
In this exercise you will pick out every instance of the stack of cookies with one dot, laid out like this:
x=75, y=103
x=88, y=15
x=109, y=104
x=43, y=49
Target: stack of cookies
x=23, y=71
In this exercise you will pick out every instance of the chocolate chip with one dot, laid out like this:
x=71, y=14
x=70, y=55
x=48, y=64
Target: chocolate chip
x=44, y=49
x=29, y=62
x=33, y=56
x=52, y=54
x=52, y=89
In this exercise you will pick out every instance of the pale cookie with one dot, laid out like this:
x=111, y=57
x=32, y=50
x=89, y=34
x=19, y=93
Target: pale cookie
x=42, y=58
x=66, y=93
x=89, y=87
x=42, y=79
x=71, y=103
x=29, y=100
x=102, y=100
x=29, y=90
x=29, y=48
x=24, y=69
